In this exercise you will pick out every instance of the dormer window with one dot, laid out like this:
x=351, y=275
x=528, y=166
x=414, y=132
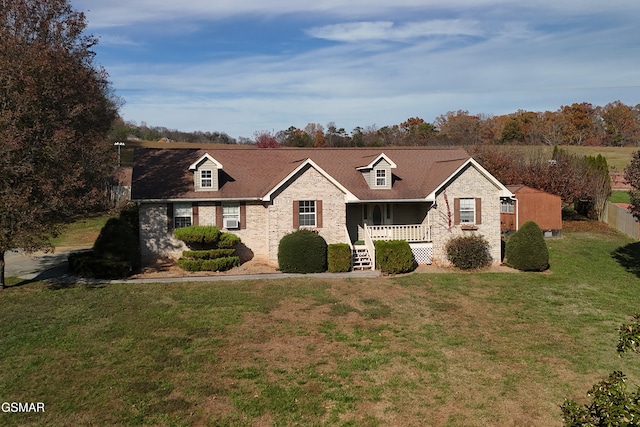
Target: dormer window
x=378, y=172
x=206, y=178
x=205, y=173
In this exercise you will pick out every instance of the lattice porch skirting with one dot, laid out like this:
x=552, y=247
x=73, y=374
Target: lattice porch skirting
x=422, y=252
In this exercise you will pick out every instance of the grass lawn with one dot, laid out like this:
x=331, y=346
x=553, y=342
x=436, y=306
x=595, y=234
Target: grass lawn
x=452, y=349
x=82, y=232
x=619, y=196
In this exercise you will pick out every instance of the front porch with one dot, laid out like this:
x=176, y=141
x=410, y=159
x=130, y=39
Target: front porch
x=417, y=235
x=369, y=222
x=408, y=232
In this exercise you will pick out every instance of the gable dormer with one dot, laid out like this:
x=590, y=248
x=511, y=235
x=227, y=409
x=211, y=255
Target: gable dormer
x=378, y=173
x=206, y=173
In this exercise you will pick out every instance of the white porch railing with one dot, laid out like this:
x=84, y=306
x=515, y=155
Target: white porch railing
x=409, y=233
x=368, y=241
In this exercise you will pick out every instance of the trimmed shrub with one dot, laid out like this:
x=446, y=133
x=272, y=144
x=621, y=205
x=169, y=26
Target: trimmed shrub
x=394, y=256
x=198, y=236
x=86, y=264
x=228, y=240
x=208, y=254
x=219, y=258
x=526, y=249
x=115, y=253
x=339, y=257
x=117, y=241
x=217, y=264
x=469, y=252
x=302, y=251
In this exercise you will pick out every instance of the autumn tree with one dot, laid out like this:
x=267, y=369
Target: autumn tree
x=415, y=131
x=56, y=108
x=265, y=139
x=632, y=176
x=621, y=124
x=458, y=127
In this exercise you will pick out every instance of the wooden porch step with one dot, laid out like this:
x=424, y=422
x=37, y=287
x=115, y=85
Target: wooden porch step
x=361, y=258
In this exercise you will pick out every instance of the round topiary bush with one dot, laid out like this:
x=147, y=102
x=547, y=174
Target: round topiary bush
x=469, y=252
x=302, y=251
x=526, y=249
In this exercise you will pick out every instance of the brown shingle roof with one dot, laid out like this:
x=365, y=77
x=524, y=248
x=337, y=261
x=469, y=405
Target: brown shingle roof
x=163, y=174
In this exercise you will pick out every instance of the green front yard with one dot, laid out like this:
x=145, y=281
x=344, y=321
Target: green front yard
x=451, y=349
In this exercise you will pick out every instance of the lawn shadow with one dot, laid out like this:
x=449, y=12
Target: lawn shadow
x=628, y=256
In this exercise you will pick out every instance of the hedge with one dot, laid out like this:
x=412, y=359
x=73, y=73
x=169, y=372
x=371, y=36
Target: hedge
x=339, y=257
x=228, y=240
x=394, y=256
x=208, y=254
x=86, y=264
x=302, y=251
x=218, y=264
x=198, y=235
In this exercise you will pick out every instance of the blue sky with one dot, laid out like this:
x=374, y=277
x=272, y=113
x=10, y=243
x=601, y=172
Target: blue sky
x=245, y=66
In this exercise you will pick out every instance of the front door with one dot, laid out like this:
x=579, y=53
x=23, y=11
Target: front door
x=377, y=214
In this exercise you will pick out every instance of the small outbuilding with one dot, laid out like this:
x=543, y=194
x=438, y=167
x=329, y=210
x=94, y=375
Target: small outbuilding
x=530, y=204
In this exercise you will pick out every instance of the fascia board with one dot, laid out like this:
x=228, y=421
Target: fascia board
x=504, y=192
x=206, y=156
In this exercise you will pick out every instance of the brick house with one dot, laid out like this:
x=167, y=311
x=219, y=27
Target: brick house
x=348, y=195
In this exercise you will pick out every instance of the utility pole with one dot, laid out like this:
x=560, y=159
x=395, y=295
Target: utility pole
x=119, y=144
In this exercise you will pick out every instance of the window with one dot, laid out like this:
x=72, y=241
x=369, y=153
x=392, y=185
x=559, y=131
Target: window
x=206, y=178
x=381, y=177
x=507, y=206
x=231, y=215
x=307, y=213
x=182, y=215
x=467, y=211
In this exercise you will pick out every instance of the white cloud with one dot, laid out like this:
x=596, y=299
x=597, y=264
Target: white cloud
x=485, y=56
x=118, y=13
x=386, y=30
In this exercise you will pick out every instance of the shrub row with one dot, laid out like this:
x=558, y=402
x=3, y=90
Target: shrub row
x=198, y=235
x=217, y=264
x=86, y=264
x=394, y=256
x=339, y=257
x=208, y=254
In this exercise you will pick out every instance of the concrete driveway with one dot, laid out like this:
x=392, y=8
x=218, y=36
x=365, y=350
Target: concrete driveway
x=38, y=265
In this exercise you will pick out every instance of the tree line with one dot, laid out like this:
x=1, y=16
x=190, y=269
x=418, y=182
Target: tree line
x=614, y=124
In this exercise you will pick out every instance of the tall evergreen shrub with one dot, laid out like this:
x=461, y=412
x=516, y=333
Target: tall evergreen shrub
x=526, y=249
